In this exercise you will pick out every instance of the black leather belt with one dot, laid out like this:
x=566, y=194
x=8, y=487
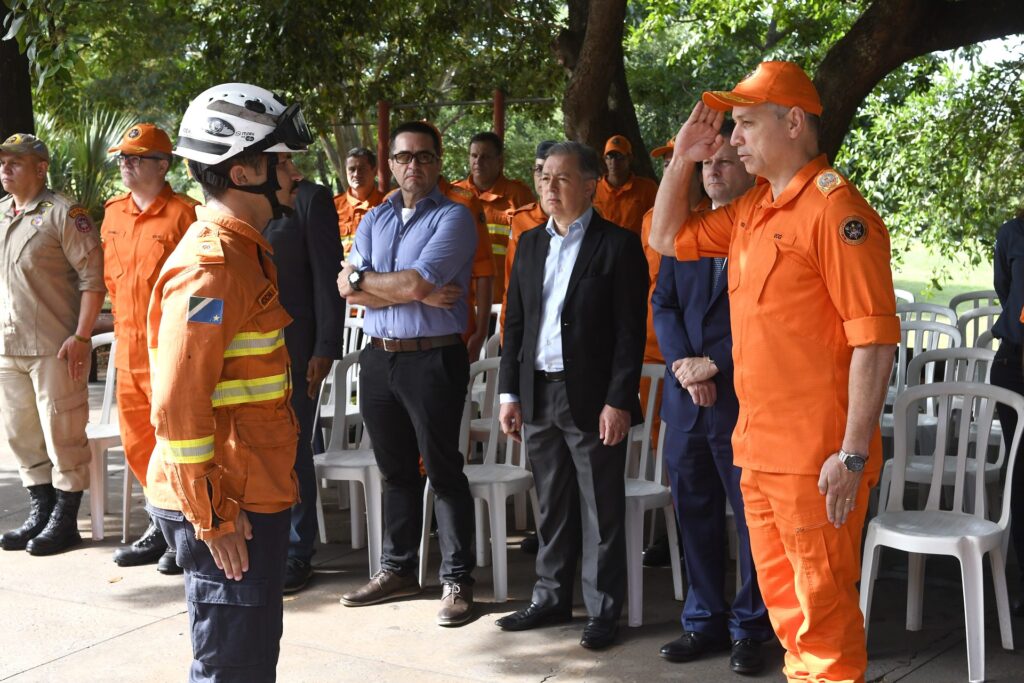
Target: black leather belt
x=551, y=376
x=415, y=344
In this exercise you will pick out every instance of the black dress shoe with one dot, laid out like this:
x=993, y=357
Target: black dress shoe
x=746, y=656
x=146, y=550
x=657, y=553
x=599, y=633
x=530, y=544
x=533, y=616
x=691, y=645
x=168, y=563
x=297, y=574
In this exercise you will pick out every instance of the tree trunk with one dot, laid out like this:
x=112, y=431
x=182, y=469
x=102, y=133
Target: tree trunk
x=597, y=103
x=892, y=32
x=16, y=86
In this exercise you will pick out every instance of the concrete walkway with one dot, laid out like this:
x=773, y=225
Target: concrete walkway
x=79, y=617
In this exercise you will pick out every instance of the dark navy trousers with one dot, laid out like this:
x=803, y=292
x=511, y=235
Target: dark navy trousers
x=299, y=340
x=235, y=625
x=702, y=477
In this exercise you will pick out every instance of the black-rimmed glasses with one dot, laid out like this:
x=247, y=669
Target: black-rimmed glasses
x=422, y=158
x=132, y=159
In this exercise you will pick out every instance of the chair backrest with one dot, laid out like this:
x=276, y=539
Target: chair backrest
x=345, y=391
x=656, y=373
x=975, y=405
x=960, y=364
x=904, y=296
x=974, y=321
x=987, y=340
x=981, y=297
x=492, y=347
x=496, y=312
x=925, y=311
x=353, y=338
x=485, y=372
x=105, y=339
x=917, y=337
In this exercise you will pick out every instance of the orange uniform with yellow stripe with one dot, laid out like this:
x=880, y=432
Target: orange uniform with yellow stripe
x=626, y=205
x=225, y=430
x=520, y=220
x=136, y=244
x=483, y=263
x=505, y=196
x=351, y=210
x=809, y=281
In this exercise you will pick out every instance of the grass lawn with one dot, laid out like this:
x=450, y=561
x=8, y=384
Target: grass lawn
x=920, y=264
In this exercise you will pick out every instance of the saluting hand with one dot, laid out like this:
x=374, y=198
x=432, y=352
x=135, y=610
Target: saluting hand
x=698, y=138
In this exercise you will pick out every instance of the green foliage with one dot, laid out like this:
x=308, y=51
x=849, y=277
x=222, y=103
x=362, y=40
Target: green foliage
x=80, y=166
x=941, y=164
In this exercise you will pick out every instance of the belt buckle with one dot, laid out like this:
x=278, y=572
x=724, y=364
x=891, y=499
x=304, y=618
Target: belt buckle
x=390, y=345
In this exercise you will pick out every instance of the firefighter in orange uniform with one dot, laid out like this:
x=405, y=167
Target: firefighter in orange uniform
x=361, y=196
x=221, y=482
x=482, y=277
x=140, y=230
x=498, y=194
x=814, y=330
x=622, y=196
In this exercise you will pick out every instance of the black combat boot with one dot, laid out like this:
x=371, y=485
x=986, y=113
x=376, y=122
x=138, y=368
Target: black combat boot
x=61, y=531
x=42, y=498
x=146, y=550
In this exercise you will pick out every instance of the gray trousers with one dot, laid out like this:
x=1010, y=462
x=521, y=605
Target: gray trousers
x=581, y=490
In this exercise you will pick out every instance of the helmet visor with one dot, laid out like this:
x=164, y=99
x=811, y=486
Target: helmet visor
x=292, y=129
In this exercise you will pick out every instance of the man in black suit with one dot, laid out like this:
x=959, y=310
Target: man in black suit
x=308, y=254
x=570, y=369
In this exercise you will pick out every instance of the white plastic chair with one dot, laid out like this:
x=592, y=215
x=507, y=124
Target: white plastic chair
x=974, y=321
x=496, y=311
x=342, y=463
x=648, y=491
x=926, y=312
x=102, y=436
x=986, y=340
x=904, y=296
x=490, y=483
x=915, y=337
x=955, y=531
x=981, y=297
x=960, y=365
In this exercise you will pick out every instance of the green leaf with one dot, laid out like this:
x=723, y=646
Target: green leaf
x=16, y=25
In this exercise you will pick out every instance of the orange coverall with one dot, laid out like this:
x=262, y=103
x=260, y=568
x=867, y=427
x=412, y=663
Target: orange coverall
x=504, y=196
x=626, y=205
x=809, y=280
x=225, y=429
x=483, y=263
x=350, y=211
x=135, y=245
x=520, y=220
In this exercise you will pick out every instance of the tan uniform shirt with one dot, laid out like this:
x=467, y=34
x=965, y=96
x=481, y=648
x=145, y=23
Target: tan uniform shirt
x=49, y=255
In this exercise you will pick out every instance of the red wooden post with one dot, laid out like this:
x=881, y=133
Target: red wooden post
x=383, y=133
x=499, y=113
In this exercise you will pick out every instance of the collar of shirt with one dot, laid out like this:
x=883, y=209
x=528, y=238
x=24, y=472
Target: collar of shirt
x=159, y=202
x=581, y=223
x=358, y=203
x=797, y=183
x=624, y=187
x=235, y=225
x=14, y=211
x=397, y=203
x=492, y=193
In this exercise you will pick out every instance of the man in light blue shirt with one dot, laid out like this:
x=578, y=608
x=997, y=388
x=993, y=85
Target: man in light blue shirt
x=410, y=266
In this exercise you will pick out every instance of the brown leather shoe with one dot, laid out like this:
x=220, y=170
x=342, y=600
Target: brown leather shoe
x=382, y=586
x=456, y=604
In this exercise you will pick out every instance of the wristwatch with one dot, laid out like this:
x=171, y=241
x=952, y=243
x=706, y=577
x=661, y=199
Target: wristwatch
x=852, y=461
x=355, y=279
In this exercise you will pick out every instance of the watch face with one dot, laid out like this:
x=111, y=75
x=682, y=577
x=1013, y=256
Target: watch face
x=354, y=277
x=854, y=463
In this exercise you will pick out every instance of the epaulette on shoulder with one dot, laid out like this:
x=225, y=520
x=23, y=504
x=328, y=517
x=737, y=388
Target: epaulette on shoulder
x=828, y=180
x=524, y=208
x=191, y=201
x=117, y=198
x=461, y=191
x=208, y=246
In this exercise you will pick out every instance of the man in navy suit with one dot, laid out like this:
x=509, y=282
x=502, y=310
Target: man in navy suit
x=691, y=319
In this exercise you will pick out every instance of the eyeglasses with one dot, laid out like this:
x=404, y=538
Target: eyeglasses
x=132, y=160
x=422, y=158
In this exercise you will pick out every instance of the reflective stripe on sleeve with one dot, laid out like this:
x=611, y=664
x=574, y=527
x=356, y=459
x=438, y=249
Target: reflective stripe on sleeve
x=254, y=343
x=189, y=451
x=235, y=391
x=499, y=229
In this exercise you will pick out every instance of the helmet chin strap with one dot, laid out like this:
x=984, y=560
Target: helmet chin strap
x=268, y=188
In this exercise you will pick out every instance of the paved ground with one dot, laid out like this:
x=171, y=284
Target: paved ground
x=79, y=617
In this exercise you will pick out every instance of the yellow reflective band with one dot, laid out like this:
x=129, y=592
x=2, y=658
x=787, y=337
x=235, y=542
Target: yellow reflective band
x=152, y=360
x=254, y=343
x=188, y=451
x=499, y=249
x=499, y=229
x=235, y=391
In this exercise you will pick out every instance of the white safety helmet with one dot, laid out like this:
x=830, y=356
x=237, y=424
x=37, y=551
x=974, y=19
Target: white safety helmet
x=231, y=118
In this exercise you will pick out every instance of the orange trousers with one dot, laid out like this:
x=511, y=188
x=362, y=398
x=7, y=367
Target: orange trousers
x=134, y=400
x=808, y=572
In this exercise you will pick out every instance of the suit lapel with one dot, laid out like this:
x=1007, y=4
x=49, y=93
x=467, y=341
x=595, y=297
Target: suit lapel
x=534, y=285
x=591, y=241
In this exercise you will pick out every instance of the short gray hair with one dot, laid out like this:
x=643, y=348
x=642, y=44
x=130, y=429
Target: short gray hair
x=586, y=157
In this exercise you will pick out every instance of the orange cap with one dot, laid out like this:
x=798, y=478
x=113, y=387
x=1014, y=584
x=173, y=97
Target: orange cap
x=618, y=143
x=142, y=138
x=782, y=83
x=664, y=149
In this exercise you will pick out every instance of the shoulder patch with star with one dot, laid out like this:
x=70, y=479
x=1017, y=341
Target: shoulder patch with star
x=827, y=181
x=205, y=309
x=853, y=230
